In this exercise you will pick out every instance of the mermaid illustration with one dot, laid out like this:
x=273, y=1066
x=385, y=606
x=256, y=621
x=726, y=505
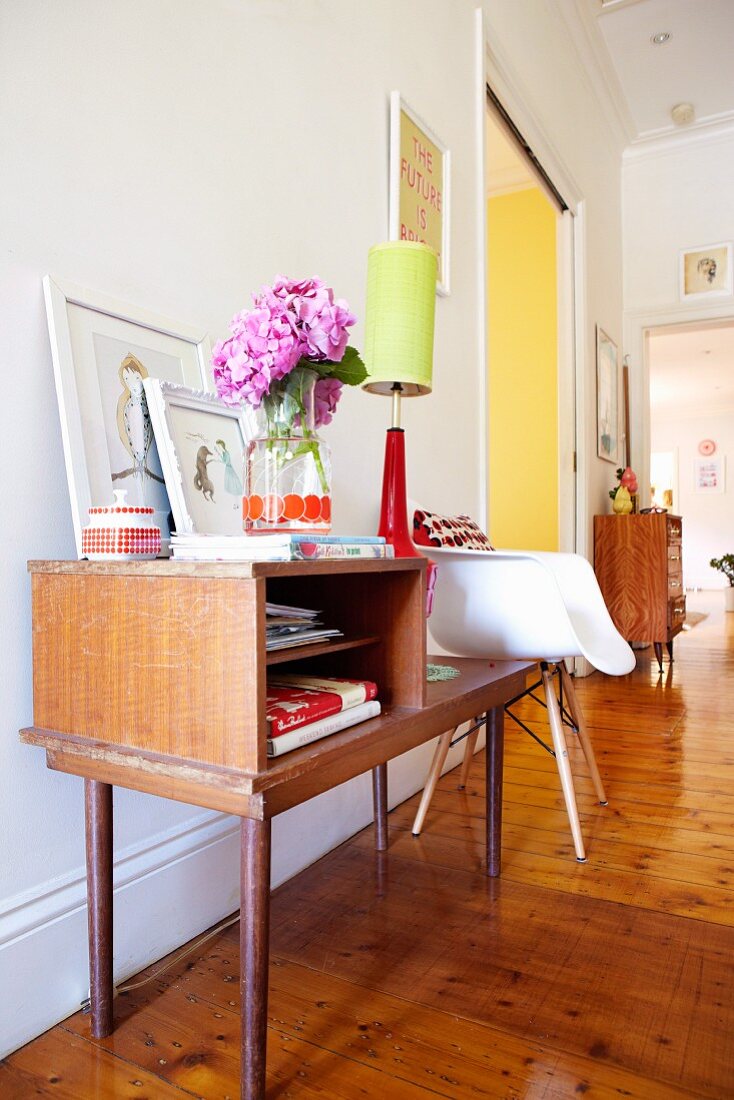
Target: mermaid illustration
x=232, y=483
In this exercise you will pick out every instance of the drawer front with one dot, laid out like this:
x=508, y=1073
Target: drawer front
x=676, y=612
x=674, y=530
x=675, y=556
x=675, y=585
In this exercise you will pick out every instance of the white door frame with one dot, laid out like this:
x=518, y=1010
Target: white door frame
x=638, y=324
x=494, y=69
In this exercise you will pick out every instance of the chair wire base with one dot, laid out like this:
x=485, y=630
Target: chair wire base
x=530, y=691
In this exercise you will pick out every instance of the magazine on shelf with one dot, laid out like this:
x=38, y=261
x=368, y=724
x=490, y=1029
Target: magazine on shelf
x=300, y=637
x=286, y=742
x=294, y=701
x=286, y=609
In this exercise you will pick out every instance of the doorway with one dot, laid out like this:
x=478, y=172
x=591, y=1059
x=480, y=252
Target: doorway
x=691, y=376
x=531, y=446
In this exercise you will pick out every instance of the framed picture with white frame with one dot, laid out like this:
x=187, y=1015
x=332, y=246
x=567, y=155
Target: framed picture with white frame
x=420, y=182
x=607, y=397
x=706, y=271
x=102, y=352
x=201, y=444
x=709, y=474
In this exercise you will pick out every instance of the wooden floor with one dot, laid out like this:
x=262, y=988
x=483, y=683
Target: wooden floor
x=412, y=975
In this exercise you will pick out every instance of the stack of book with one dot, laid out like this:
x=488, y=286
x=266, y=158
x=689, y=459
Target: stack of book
x=301, y=709
x=281, y=546
x=291, y=626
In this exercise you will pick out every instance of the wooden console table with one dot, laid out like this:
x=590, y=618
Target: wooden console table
x=152, y=675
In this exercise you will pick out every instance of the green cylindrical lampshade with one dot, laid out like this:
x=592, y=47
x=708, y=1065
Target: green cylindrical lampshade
x=401, y=304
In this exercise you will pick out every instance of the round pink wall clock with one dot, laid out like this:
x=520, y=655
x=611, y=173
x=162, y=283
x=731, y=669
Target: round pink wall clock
x=706, y=447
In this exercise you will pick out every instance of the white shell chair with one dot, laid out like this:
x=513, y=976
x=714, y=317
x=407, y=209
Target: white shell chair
x=526, y=605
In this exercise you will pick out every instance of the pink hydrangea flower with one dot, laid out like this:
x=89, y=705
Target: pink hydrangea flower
x=291, y=321
x=263, y=348
x=326, y=398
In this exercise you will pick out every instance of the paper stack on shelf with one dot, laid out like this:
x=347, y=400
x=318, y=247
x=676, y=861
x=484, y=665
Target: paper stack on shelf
x=292, y=626
x=280, y=546
x=301, y=708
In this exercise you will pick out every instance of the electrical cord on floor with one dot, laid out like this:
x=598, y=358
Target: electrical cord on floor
x=86, y=1004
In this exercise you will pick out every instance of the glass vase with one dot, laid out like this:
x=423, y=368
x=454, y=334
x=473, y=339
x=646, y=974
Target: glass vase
x=287, y=467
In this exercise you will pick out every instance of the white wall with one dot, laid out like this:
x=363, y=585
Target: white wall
x=177, y=155
x=675, y=196
x=708, y=518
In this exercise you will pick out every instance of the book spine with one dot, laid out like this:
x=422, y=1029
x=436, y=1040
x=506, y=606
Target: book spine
x=310, y=551
x=351, y=693
x=367, y=540
x=318, y=709
x=322, y=728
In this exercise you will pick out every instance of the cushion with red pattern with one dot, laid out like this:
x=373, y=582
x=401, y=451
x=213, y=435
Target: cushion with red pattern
x=460, y=532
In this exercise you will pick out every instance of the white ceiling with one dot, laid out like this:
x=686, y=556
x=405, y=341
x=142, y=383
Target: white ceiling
x=694, y=66
x=692, y=370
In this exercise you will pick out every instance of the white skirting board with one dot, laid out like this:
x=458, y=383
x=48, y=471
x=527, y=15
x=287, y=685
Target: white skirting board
x=167, y=890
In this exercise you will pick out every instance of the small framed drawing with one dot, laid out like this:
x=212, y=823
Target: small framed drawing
x=709, y=474
x=706, y=271
x=201, y=442
x=419, y=185
x=102, y=351
x=607, y=397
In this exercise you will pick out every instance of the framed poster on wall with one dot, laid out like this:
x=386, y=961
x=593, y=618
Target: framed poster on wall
x=419, y=185
x=709, y=474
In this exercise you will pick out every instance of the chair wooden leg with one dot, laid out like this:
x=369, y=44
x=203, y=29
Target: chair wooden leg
x=564, y=768
x=578, y=716
x=469, y=746
x=434, y=774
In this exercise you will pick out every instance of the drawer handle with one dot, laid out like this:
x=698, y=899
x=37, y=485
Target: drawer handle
x=674, y=557
x=674, y=584
x=675, y=530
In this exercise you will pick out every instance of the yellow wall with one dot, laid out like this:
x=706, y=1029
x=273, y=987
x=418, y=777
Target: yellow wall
x=523, y=372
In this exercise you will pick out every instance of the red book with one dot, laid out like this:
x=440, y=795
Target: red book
x=294, y=701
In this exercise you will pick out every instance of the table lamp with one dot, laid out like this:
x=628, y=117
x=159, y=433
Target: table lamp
x=398, y=355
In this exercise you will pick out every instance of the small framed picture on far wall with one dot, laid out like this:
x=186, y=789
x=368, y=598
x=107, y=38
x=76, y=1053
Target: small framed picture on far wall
x=706, y=271
x=709, y=474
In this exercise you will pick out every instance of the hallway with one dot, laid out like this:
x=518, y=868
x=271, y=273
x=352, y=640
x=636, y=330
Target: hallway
x=412, y=975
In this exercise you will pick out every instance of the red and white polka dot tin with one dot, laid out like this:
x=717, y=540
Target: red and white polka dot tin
x=121, y=532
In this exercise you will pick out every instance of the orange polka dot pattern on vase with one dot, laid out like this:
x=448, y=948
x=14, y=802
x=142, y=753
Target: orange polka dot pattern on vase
x=291, y=512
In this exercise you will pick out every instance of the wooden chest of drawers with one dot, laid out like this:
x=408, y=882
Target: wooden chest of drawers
x=638, y=563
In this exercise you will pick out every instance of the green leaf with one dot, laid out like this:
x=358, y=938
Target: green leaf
x=351, y=370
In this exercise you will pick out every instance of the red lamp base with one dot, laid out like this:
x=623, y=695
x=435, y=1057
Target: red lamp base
x=394, y=510
x=394, y=526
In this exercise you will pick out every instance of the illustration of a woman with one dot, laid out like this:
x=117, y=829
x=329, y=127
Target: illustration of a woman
x=133, y=421
x=232, y=483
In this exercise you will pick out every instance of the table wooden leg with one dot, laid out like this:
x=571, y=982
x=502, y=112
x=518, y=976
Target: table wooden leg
x=379, y=798
x=658, y=647
x=495, y=756
x=98, y=828
x=254, y=952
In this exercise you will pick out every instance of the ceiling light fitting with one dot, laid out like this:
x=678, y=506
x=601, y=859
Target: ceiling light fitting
x=682, y=114
x=660, y=38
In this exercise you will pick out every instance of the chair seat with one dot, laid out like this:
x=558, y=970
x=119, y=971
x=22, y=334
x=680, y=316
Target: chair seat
x=536, y=605
x=518, y=604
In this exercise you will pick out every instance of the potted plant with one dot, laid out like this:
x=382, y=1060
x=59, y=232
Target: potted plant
x=725, y=565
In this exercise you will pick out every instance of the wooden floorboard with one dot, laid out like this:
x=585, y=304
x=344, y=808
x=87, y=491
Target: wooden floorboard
x=411, y=975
